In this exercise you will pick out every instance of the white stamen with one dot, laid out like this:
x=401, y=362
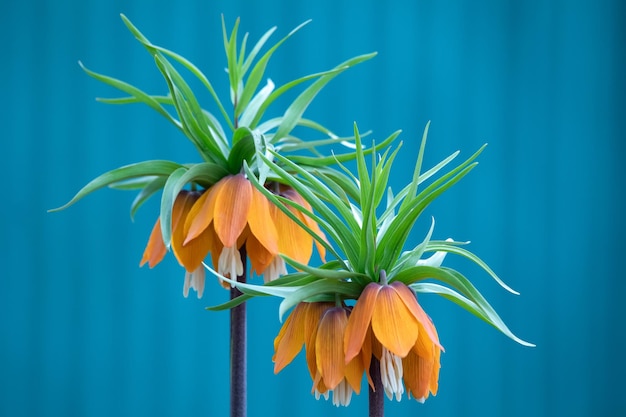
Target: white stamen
x=342, y=394
x=318, y=395
x=391, y=374
x=229, y=263
x=194, y=280
x=275, y=269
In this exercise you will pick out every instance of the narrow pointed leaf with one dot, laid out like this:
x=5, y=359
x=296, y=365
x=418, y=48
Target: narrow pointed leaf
x=140, y=169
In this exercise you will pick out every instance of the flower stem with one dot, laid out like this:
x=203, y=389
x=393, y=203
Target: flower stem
x=238, y=342
x=376, y=395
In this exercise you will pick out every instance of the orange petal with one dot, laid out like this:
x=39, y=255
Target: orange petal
x=311, y=324
x=392, y=322
x=434, y=377
x=366, y=355
x=192, y=254
x=359, y=320
x=294, y=196
x=410, y=301
x=260, y=258
x=293, y=240
x=290, y=338
x=261, y=222
x=329, y=355
x=201, y=214
x=155, y=249
x=354, y=373
x=417, y=373
x=232, y=206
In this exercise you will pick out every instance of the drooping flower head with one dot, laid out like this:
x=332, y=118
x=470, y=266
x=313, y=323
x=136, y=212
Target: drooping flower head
x=409, y=345
x=362, y=306
x=209, y=207
x=320, y=328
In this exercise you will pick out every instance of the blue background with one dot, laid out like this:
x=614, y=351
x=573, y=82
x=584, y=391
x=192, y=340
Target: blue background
x=85, y=332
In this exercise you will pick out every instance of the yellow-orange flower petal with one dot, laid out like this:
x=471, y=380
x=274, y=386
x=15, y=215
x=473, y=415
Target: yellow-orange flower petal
x=155, y=249
x=201, y=214
x=232, y=204
x=393, y=323
x=410, y=301
x=192, y=254
x=359, y=321
x=260, y=221
x=260, y=257
x=354, y=373
x=329, y=353
x=291, y=194
x=290, y=338
x=311, y=325
x=294, y=241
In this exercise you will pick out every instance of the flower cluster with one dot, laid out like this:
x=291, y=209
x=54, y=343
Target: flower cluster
x=211, y=207
x=256, y=197
x=223, y=219
x=361, y=308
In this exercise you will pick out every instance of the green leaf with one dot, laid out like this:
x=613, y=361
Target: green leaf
x=255, y=104
x=153, y=49
x=418, y=166
x=148, y=191
x=282, y=90
x=340, y=158
x=141, y=169
x=170, y=192
x=322, y=286
x=135, y=92
x=346, y=232
x=323, y=272
x=459, y=282
x=230, y=47
x=410, y=258
x=256, y=49
x=133, y=183
x=243, y=150
x=399, y=228
x=205, y=173
x=234, y=302
x=198, y=127
x=295, y=111
x=434, y=246
x=280, y=203
x=254, y=290
x=256, y=74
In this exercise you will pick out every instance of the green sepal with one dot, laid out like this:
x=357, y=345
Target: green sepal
x=140, y=169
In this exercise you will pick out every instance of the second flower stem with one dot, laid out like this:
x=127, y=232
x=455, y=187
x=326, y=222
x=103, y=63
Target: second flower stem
x=238, y=343
x=376, y=395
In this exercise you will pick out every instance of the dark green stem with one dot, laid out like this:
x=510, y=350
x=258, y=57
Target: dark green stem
x=238, y=342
